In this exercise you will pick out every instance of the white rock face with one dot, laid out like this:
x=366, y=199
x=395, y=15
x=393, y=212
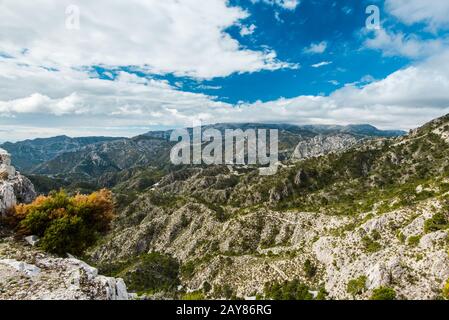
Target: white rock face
x=14, y=188
x=26, y=273
x=321, y=145
x=378, y=276
x=6, y=170
x=28, y=269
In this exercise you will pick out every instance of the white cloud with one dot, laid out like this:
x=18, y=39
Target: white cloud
x=247, y=30
x=316, y=48
x=434, y=13
x=170, y=36
x=33, y=97
x=321, y=64
x=399, y=44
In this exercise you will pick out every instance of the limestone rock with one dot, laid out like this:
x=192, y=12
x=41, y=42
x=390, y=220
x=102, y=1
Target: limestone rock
x=14, y=188
x=26, y=273
x=321, y=145
x=378, y=276
x=32, y=240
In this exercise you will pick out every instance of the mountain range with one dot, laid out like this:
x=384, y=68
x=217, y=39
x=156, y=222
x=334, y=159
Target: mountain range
x=90, y=163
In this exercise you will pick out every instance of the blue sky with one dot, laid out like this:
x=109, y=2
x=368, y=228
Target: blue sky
x=121, y=69
x=289, y=32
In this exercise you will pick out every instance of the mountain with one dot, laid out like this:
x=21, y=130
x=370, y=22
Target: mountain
x=110, y=163
x=370, y=219
x=30, y=153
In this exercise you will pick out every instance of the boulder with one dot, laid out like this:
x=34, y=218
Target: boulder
x=32, y=240
x=14, y=188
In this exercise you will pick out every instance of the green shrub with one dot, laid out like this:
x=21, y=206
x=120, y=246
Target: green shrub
x=223, y=291
x=66, y=224
x=207, y=287
x=152, y=272
x=413, y=240
x=322, y=294
x=383, y=293
x=438, y=222
x=370, y=245
x=310, y=269
x=188, y=269
x=288, y=290
x=357, y=286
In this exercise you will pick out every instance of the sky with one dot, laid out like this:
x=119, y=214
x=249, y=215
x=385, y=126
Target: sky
x=121, y=68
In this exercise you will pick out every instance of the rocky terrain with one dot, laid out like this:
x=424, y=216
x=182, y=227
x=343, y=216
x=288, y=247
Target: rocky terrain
x=30, y=274
x=322, y=145
x=368, y=217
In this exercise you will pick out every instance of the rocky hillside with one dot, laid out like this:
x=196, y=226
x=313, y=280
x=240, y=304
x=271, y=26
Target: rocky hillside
x=356, y=223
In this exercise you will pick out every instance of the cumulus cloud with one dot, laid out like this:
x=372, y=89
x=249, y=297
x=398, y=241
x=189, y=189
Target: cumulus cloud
x=247, y=30
x=316, y=48
x=170, y=36
x=399, y=44
x=405, y=99
x=434, y=13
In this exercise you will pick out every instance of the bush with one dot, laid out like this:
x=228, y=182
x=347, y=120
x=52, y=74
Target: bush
x=384, y=293
x=356, y=286
x=413, y=240
x=223, y=291
x=66, y=224
x=436, y=223
x=310, y=269
x=289, y=290
x=152, y=272
x=370, y=245
x=207, y=287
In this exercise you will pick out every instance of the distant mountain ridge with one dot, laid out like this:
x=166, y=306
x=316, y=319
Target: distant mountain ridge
x=357, y=129
x=29, y=153
x=95, y=162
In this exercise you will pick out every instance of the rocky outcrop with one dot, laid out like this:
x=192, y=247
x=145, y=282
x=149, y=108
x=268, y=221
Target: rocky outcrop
x=322, y=145
x=26, y=273
x=14, y=187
